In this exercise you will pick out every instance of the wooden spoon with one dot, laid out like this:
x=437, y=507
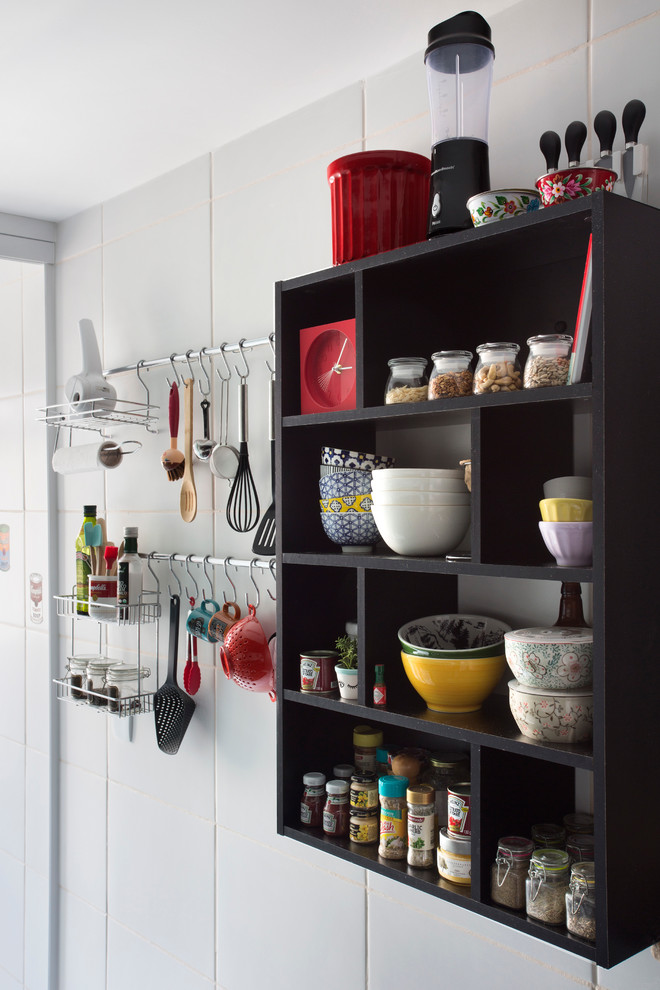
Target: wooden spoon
x=188, y=501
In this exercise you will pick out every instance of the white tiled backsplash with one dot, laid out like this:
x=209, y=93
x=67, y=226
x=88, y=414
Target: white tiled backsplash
x=172, y=872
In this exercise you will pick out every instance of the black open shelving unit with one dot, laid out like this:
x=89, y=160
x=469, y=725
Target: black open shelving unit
x=505, y=281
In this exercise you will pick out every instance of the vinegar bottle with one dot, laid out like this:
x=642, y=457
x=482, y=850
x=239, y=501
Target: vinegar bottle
x=83, y=562
x=570, y=606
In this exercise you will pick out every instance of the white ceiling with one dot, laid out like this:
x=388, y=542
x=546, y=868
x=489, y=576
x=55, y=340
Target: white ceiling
x=99, y=96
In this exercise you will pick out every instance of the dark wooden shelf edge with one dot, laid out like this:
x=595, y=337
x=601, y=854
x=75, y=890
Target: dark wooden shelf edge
x=438, y=565
x=432, y=723
x=430, y=882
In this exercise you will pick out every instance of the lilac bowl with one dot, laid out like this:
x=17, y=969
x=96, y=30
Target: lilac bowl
x=570, y=543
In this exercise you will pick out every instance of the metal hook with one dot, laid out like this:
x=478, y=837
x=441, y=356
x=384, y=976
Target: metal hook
x=188, y=559
x=256, y=588
x=169, y=589
x=150, y=557
x=206, y=375
x=241, y=348
x=208, y=576
x=176, y=373
x=271, y=568
x=223, y=378
x=144, y=385
x=233, y=586
x=192, y=373
x=271, y=341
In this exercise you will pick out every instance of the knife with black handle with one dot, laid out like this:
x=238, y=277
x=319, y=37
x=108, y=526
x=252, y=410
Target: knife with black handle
x=550, y=145
x=605, y=128
x=632, y=119
x=576, y=135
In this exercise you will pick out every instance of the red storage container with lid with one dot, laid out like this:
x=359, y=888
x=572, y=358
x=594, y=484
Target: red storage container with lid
x=379, y=202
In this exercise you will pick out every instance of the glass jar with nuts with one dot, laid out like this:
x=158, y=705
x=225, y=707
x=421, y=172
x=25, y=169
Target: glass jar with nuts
x=451, y=374
x=498, y=369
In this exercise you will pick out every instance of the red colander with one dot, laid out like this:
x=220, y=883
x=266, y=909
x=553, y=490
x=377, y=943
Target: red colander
x=246, y=657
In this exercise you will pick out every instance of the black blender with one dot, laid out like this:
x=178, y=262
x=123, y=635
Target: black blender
x=459, y=69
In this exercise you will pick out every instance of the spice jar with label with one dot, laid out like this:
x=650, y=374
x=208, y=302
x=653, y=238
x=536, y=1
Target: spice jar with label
x=581, y=901
x=549, y=360
x=363, y=827
x=393, y=817
x=509, y=871
x=408, y=381
x=445, y=770
x=366, y=740
x=422, y=826
x=548, y=836
x=313, y=799
x=498, y=369
x=451, y=375
x=336, y=812
x=547, y=885
x=364, y=791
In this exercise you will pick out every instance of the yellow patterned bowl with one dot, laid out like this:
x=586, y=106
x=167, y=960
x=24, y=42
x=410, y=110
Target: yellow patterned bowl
x=347, y=503
x=454, y=685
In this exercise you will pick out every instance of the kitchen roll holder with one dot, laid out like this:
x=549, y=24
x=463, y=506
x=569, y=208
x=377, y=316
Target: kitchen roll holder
x=106, y=455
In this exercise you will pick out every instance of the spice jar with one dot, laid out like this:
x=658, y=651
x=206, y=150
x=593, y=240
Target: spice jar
x=408, y=381
x=336, y=812
x=366, y=740
x=313, y=799
x=509, y=871
x=77, y=677
x=445, y=770
x=455, y=858
x=451, y=375
x=393, y=817
x=547, y=885
x=422, y=827
x=498, y=369
x=97, y=669
x=578, y=821
x=579, y=847
x=548, y=836
x=122, y=687
x=581, y=901
x=363, y=827
x=364, y=791
x=549, y=360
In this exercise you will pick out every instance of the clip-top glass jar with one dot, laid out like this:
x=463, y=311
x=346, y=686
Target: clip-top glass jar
x=547, y=885
x=122, y=683
x=549, y=360
x=451, y=374
x=548, y=836
x=498, y=369
x=508, y=873
x=408, y=381
x=578, y=821
x=581, y=901
x=580, y=847
x=97, y=670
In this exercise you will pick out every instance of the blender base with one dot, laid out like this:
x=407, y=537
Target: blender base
x=459, y=170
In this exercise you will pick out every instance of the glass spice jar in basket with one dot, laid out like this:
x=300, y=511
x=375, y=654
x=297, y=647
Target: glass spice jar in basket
x=408, y=381
x=451, y=375
x=549, y=360
x=498, y=369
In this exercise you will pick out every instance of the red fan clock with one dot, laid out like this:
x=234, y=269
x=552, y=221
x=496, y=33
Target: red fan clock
x=327, y=367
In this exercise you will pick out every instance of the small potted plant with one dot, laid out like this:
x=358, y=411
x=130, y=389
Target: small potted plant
x=346, y=667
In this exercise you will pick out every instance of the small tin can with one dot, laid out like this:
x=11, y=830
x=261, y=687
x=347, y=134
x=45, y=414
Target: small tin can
x=454, y=857
x=458, y=809
x=317, y=672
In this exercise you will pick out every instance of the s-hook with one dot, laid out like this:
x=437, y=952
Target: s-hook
x=271, y=568
x=169, y=590
x=176, y=373
x=188, y=559
x=256, y=588
x=206, y=375
x=233, y=586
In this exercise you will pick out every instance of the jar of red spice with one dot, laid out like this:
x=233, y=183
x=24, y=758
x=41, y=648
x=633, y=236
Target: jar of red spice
x=313, y=799
x=336, y=810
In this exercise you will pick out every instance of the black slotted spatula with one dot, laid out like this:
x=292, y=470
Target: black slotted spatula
x=173, y=708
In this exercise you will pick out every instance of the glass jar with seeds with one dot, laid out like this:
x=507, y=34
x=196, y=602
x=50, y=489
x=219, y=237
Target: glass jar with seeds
x=451, y=375
x=509, y=871
x=581, y=901
x=547, y=885
x=549, y=360
x=498, y=369
x=408, y=381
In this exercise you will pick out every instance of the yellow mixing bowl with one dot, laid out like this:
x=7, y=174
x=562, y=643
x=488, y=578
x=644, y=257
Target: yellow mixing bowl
x=454, y=685
x=566, y=509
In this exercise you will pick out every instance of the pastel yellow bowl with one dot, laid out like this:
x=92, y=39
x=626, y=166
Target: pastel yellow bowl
x=454, y=685
x=566, y=509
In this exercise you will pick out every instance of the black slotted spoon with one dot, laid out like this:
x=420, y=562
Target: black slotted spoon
x=173, y=708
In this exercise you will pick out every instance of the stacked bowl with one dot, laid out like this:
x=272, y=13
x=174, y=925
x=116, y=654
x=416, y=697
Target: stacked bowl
x=421, y=512
x=566, y=520
x=345, y=490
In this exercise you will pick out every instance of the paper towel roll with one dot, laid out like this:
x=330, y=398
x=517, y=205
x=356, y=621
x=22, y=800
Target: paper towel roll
x=87, y=457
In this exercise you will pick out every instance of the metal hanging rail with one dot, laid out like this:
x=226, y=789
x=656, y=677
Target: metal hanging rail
x=265, y=565
x=203, y=352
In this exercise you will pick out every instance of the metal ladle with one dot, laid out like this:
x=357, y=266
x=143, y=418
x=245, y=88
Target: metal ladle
x=223, y=459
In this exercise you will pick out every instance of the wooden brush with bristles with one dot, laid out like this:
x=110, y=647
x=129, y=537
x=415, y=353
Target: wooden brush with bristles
x=173, y=460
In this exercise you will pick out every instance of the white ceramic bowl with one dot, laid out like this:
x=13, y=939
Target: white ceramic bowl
x=571, y=486
x=552, y=716
x=570, y=543
x=384, y=473
x=422, y=530
x=387, y=483
x=554, y=658
x=420, y=498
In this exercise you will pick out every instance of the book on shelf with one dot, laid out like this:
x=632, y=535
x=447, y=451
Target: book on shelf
x=582, y=323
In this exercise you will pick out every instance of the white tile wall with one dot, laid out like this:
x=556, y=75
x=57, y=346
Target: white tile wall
x=12, y=885
x=134, y=963
x=36, y=931
x=82, y=962
x=12, y=674
x=12, y=787
x=83, y=830
x=37, y=800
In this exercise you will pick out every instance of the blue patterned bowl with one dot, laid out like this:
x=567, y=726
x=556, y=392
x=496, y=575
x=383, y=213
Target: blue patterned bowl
x=345, y=485
x=354, y=532
x=355, y=459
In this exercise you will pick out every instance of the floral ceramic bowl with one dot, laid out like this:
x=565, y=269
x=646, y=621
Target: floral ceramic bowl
x=555, y=658
x=573, y=183
x=349, y=503
x=552, y=716
x=498, y=204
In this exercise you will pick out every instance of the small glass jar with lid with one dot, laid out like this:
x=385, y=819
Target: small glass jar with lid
x=366, y=740
x=363, y=827
x=364, y=791
x=408, y=381
x=422, y=826
x=343, y=771
x=548, y=836
x=580, y=846
x=445, y=770
x=581, y=901
x=498, y=369
x=508, y=873
x=549, y=360
x=97, y=672
x=578, y=821
x=76, y=675
x=547, y=885
x=393, y=816
x=451, y=375
x=123, y=684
